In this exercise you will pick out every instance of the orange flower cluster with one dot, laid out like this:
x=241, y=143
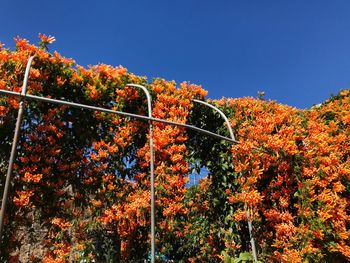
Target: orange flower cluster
x=292, y=167
x=22, y=198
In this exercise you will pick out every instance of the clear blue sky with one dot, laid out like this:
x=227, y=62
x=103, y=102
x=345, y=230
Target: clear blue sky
x=298, y=52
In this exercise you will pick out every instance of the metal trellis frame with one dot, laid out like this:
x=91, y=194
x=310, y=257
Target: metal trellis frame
x=24, y=96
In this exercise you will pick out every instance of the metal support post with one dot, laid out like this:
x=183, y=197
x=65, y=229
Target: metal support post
x=250, y=228
x=14, y=148
x=153, y=220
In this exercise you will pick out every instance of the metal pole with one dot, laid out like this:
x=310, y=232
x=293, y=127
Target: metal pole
x=250, y=225
x=14, y=147
x=222, y=115
x=131, y=115
x=252, y=242
x=153, y=219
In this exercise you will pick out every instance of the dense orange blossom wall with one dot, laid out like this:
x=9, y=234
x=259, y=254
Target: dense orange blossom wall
x=82, y=178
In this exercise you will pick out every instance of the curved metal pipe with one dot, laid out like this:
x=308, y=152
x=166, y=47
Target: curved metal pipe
x=153, y=219
x=14, y=147
x=222, y=115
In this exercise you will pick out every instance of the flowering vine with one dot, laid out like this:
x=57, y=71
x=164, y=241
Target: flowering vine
x=81, y=178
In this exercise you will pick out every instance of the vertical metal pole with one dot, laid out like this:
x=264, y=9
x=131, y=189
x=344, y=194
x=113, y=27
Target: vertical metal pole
x=14, y=148
x=153, y=220
x=252, y=242
x=250, y=225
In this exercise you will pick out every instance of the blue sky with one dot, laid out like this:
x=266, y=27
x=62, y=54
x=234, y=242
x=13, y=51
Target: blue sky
x=298, y=52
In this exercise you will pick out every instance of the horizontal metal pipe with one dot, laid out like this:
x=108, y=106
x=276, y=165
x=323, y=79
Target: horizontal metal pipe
x=131, y=115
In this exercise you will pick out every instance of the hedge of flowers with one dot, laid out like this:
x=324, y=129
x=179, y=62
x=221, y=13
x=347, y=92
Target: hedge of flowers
x=82, y=177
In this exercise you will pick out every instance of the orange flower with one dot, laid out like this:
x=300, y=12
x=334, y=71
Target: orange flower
x=61, y=223
x=46, y=39
x=23, y=198
x=3, y=110
x=32, y=178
